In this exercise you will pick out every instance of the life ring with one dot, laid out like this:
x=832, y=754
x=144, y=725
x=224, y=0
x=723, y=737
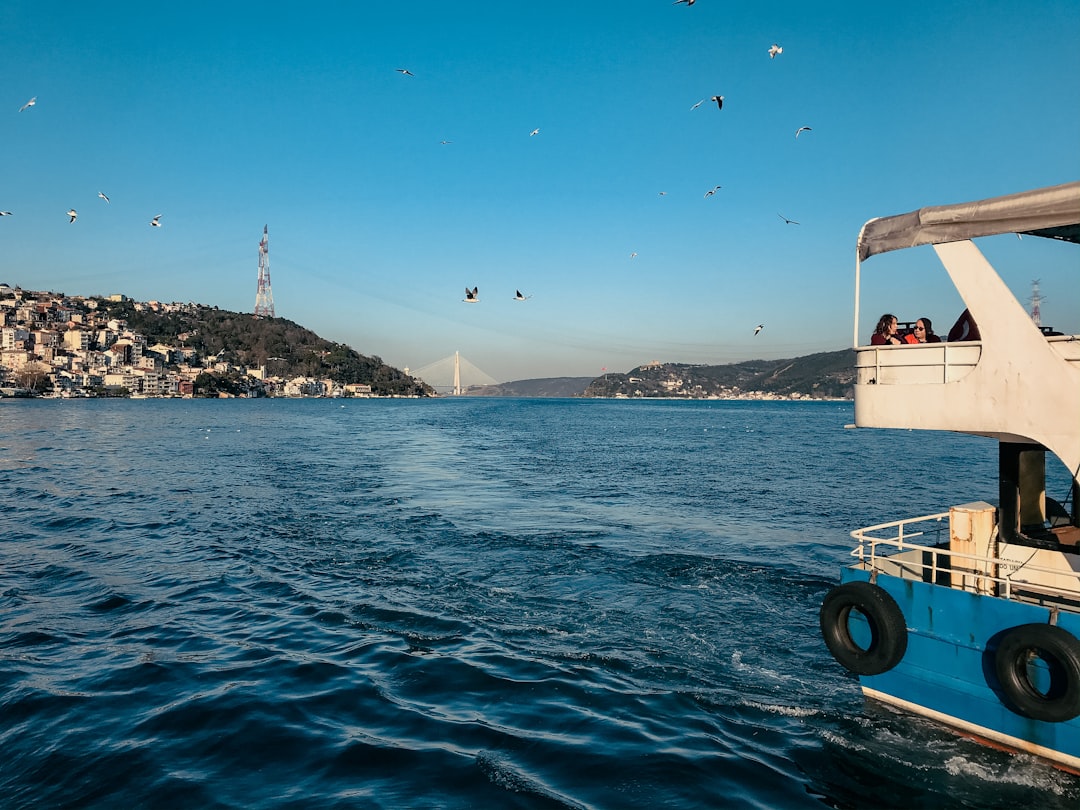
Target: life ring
x=1058, y=651
x=888, y=630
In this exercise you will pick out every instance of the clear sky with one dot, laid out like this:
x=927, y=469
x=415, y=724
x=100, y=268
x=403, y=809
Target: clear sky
x=226, y=116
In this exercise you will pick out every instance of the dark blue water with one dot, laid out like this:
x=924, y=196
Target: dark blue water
x=459, y=603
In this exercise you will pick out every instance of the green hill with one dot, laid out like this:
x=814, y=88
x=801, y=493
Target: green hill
x=242, y=339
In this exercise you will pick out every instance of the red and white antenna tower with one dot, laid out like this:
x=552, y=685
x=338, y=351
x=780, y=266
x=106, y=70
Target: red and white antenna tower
x=1035, y=300
x=264, y=296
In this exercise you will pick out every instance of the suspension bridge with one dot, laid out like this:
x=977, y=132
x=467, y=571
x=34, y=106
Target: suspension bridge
x=452, y=375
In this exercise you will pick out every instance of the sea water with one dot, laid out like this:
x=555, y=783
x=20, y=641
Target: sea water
x=460, y=603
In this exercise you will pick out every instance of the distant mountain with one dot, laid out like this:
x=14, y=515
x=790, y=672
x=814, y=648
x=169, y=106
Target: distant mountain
x=826, y=375
x=547, y=387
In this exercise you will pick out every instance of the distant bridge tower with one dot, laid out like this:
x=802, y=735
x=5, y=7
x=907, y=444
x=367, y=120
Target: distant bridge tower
x=457, y=374
x=264, y=296
x=1036, y=299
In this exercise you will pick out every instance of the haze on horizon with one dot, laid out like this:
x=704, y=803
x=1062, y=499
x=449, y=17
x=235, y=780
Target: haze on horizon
x=388, y=193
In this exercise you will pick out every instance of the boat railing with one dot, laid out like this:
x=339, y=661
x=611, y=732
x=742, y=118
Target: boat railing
x=919, y=548
x=930, y=363
x=916, y=363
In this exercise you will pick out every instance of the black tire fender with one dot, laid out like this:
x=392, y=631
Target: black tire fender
x=1059, y=652
x=888, y=630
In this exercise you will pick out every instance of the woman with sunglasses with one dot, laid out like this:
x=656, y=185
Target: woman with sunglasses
x=924, y=331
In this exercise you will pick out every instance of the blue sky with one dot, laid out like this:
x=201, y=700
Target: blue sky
x=225, y=117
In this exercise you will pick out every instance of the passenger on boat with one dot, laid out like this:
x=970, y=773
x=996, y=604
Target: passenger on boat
x=885, y=332
x=965, y=328
x=924, y=332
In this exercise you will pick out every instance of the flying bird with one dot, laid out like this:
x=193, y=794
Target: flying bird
x=712, y=191
x=688, y=2
x=517, y=295
x=72, y=213
x=719, y=102
x=102, y=195
x=28, y=104
x=758, y=328
x=632, y=255
x=5, y=213
x=405, y=72
x=698, y=104
x=802, y=129
x=663, y=193
x=445, y=142
x=155, y=222
x=775, y=50
x=788, y=221
x=535, y=132
x=470, y=295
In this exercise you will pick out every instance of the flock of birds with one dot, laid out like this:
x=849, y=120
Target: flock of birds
x=472, y=296
x=71, y=212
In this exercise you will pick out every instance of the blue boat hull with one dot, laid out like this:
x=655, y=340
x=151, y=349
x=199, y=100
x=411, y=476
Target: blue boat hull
x=948, y=673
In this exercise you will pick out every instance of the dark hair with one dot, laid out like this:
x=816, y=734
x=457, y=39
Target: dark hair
x=929, y=326
x=883, y=324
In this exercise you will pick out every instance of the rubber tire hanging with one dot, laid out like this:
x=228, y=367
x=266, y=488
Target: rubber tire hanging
x=888, y=630
x=1060, y=651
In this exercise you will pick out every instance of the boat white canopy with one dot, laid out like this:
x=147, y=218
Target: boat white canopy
x=1052, y=212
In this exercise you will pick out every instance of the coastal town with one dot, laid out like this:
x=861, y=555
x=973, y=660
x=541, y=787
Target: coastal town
x=66, y=346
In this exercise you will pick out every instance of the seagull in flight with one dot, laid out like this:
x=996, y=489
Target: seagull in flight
x=632, y=255
x=102, y=195
x=73, y=214
x=405, y=72
x=758, y=328
x=156, y=222
x=518, y=296
x=444, y=143
x=471, y=295
x=712, y=191
x=802, y=129
x=788, y=221
x=698, y=104
x=688, y=2
x=775, y=50
x=719, y=102
x=28, y=104
x=535, y=132
x=5, y=213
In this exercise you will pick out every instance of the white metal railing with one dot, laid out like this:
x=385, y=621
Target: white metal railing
x=880, y=547
x=916, y=363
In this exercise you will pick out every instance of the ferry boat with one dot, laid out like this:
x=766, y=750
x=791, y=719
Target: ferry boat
x=971, y=616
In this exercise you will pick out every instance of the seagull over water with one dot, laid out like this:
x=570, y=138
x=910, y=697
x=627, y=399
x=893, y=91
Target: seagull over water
x=758, y=328
x=156, y=222
x=775, y=50
x=102, y=195
x=73, y=214
x=802, y=129
x=712, y=191
x=28, y=104
x=719, y=102
x=471, y=295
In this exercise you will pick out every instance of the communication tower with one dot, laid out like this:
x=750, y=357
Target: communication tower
x=1035, y=300
x=264, y=296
